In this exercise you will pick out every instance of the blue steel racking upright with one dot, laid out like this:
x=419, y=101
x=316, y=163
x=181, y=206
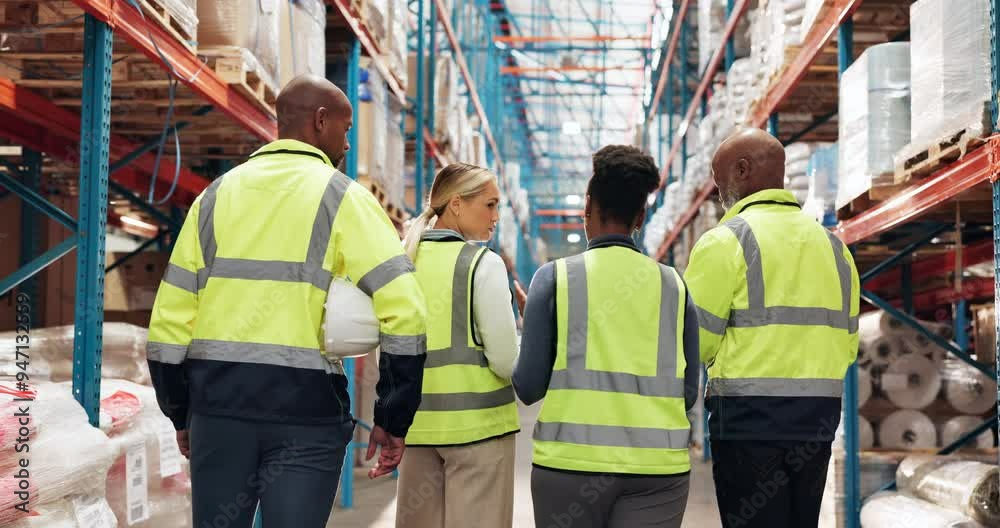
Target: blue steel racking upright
x=912, y=202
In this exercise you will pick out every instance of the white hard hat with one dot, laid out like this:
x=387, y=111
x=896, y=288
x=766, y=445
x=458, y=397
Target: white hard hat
x=351, y=328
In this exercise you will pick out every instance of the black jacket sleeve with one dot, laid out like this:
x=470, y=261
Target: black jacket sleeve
x=533, y=369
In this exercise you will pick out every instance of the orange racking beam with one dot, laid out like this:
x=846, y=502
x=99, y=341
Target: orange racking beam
x=559, y=212
x=517, y=69
x=512, y=39
x=675, y=33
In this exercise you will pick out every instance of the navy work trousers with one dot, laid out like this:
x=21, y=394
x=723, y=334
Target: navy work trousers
x=292, y=470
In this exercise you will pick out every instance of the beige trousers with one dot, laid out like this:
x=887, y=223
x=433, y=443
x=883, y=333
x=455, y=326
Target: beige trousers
x=457, y=487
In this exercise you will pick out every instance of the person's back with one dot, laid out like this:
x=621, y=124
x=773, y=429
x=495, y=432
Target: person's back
x=777, y=300
x=236, y=339
x=611, y=343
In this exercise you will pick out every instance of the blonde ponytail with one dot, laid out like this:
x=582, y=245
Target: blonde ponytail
x=459, y=179
x=416, y=230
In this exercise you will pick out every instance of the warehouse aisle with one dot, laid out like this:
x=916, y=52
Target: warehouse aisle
x=375, y=504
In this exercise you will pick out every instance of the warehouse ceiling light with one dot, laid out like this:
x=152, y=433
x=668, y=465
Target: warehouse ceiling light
x=573, y=238
x=571, y=128
x=573, y=199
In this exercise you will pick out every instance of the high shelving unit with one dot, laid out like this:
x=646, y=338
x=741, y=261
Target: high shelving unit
x=117, y=156
x=901, y=219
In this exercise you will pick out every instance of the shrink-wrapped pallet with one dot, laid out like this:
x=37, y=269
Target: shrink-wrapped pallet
x=874, y=118
x=302, y=30
x=123, y=354
x=822, y=174
x=950, y=69
x=395, y=53
x=895, y=510
x=969, y=487
x=251, y=26
x=711, y=23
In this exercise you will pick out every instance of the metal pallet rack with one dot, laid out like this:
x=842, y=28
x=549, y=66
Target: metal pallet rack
x=912, y=204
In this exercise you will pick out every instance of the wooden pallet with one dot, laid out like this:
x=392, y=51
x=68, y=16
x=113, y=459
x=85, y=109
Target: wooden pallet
x=185, y=35
x=947, y=149
x=374, y=21
x=231, y=66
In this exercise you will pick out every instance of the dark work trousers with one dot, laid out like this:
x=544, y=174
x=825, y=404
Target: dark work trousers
x=293, y=470
x=570, y=500
x=769, y=484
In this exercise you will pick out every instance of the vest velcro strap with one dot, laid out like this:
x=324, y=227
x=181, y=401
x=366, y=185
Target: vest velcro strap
x=166, y=352
x=466, y=401
x=620, y=382
x=263, y=353
x=612, y=435
x=789, y=315
x=777, y=387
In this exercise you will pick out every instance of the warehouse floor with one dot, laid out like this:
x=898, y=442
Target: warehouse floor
x=375, y=504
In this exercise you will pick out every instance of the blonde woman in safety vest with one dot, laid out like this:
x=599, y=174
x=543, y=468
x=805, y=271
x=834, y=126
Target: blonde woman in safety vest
x=611, y=342
x=459, y=464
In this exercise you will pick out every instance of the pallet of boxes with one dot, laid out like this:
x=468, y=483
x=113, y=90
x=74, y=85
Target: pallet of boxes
x=127, y=471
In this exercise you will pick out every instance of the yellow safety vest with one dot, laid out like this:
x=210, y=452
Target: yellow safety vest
x=463, y=401
x=778, y=300
x=241, y=303
x=615, y=402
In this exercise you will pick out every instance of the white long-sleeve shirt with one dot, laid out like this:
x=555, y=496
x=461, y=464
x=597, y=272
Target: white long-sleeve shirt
x=492, y=309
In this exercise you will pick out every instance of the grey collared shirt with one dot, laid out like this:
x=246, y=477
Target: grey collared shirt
x=533, y=369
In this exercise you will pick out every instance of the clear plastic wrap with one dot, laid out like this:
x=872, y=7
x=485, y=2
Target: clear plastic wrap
x=895, y=510
x=446, y=98
x=950, y=58
x=907, y=429
x=252, y=25
x=968, y=390
x=956, y=427
x=303, y=39
x=66, y=455
x=874, y=118
x=183, y=12
x=965, y=486
x=711, y=23
x=123, y=354
x=399, y=15
x=76, y=511
x=912, y=381
x=395, y=151
x=822, y=173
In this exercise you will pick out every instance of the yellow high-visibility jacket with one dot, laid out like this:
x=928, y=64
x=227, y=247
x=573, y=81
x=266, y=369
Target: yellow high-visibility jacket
x=778, y=300
x=237, y=326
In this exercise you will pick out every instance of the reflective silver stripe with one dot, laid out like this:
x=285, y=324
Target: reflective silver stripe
x=261, y=353
x=311, y=271
x=319, y=241
x=576, y=375
x=751, y=255
x=711, y=322
x=455, y=356
x=403, y=345
x=467, y=401
x=776, y=387
x=273, y=270
x=206, y=223
x=622, y=382
x=757, y=314
x=459, y=353
x=788, y=315
x=612, y=435
x=181, y=278
x=166, y=352
x=384, y=273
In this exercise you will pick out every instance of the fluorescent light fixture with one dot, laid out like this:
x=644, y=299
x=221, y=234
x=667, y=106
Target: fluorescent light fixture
x=573, y=199
x=573, y=238
x=135, y=222
x=571, y=128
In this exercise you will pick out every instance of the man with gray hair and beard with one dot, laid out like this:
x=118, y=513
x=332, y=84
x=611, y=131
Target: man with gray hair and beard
x=778, y=300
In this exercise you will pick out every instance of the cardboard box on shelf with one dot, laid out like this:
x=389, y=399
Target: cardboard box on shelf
x=132, y=286
x=250, y=25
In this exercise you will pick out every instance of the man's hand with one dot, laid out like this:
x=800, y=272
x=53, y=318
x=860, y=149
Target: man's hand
x=184, y=444
x=390, y=452
x=520, y=296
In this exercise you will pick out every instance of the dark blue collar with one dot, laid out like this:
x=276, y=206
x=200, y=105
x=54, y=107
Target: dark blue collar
x=612, y=240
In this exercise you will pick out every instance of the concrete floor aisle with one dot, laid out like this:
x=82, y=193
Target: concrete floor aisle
x=375, y=504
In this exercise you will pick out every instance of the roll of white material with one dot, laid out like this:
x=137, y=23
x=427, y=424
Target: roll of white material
x=907, y=429
x=866, y=435
x=890, y=325
x=965, y=486
x=968, y=390
x=958, y=426
x=864, y=387
x=894, y=510
x=912, y=382
x=881, y=350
